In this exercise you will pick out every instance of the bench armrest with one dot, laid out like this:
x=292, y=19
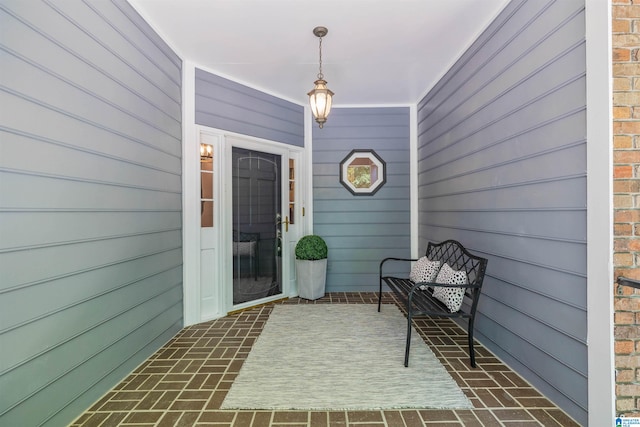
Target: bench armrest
x=389, y=261
x=395, y=259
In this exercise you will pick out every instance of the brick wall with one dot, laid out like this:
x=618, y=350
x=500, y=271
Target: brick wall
x=626, y=189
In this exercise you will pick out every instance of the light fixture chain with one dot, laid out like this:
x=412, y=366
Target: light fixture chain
x=320, y=75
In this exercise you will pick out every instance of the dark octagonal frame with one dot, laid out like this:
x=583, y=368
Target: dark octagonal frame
x=371, y=155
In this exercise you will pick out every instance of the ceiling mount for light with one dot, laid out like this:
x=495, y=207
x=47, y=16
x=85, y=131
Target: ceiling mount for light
x=320, y=31
x=320, y=97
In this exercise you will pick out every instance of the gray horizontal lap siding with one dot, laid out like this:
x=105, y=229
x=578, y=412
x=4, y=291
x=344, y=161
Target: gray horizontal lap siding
x=502, y=168
x=361, y=230
x=227, y=105
x=90, y=203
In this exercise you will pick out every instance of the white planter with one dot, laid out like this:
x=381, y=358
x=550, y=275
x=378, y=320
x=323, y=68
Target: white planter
x=312, y=277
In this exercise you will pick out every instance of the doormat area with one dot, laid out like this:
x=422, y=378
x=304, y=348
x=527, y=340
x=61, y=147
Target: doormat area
x=333, y=357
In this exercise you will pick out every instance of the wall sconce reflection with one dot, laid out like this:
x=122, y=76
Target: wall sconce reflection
x=206, y=151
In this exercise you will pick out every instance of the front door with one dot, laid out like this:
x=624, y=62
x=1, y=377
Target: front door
x=259, y=222
x=257, y=225
x=247, y=217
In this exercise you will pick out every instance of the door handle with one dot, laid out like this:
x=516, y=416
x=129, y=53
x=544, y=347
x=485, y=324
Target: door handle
x=286, y=222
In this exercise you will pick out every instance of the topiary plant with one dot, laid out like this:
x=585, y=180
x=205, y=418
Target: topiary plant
x=311, y=248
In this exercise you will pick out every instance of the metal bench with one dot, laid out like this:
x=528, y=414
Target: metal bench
x=418, y=298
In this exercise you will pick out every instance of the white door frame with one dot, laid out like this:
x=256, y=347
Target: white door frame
x=192, y=295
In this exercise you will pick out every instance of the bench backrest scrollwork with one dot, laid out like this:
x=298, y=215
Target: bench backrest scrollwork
x=458, y=258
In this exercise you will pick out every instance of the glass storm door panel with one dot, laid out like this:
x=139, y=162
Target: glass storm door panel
x=257, y=225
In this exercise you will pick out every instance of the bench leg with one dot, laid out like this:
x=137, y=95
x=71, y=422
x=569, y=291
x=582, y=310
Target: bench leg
x=472, y=355
x=406, y=352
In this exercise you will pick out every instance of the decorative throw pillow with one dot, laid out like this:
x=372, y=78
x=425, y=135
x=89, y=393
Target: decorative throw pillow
x=451, y=297
x=424, y=270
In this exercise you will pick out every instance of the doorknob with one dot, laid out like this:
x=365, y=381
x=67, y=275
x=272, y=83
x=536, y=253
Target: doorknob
x=286, y=222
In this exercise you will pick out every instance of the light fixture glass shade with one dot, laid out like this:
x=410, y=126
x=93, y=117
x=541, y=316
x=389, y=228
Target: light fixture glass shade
x=320, y=100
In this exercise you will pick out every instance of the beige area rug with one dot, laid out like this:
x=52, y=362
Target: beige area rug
x=341, y=356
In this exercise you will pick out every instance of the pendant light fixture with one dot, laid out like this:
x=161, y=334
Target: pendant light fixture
x=320, y=97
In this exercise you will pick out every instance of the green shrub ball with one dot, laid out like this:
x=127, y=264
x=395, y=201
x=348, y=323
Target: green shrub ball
x=311, y=248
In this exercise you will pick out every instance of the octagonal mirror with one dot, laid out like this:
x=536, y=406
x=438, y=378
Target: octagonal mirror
x=363, y=172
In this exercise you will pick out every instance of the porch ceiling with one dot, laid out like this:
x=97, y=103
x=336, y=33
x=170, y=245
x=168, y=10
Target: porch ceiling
x=377, y=52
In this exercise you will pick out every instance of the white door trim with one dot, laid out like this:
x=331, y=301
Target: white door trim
x=192, y=312
x=190, y=190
